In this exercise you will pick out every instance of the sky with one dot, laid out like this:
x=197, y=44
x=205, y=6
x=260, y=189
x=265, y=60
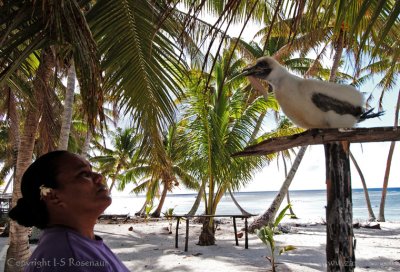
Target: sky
x=310, y=175
x=371, y=157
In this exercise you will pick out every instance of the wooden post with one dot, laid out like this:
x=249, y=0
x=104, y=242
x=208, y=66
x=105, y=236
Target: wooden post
x=176, y=231
x=187, y=234
x=339, y=215
x=246, y=237
x=235, y=230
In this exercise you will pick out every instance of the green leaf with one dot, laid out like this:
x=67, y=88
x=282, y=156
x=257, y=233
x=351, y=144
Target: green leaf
x=286, y=249
x=281, y=215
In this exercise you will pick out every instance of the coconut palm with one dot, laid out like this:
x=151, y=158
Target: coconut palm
x=9, y=135
x=68, y=107
x=285, y=128
x=388, y=67
x=220, y=123
x=371, y=215
x=143, y=173
x=381, y=216
x=35, y=26
x=121, y=156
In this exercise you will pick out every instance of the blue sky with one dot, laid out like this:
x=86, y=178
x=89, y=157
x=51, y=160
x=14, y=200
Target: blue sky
x=371, y=157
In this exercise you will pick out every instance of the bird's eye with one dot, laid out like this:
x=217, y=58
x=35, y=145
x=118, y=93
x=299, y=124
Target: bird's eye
x=263, y=64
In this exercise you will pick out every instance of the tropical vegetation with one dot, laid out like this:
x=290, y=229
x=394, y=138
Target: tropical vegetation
x=174, y=77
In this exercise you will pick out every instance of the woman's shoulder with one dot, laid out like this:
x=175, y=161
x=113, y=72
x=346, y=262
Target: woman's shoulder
x=69, y=240
x=61, y=248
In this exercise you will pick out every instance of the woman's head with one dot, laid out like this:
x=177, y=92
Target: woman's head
x=62, y=172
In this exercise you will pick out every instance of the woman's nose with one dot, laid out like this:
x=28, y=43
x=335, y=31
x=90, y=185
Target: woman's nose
x=97, y=177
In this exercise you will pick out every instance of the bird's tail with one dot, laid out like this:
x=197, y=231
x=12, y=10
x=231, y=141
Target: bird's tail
x=369, y=114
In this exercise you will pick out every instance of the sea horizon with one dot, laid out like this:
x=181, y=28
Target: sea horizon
x=294, y=190
x=307, y=204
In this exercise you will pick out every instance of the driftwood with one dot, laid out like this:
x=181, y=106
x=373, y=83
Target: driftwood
x=322, y=136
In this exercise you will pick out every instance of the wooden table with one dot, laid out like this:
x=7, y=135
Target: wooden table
x=187, y=217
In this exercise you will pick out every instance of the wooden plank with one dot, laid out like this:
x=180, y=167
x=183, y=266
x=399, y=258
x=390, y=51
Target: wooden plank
x=322, y=136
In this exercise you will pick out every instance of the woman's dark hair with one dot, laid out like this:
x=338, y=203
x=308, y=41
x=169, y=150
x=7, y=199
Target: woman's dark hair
x=30, y=209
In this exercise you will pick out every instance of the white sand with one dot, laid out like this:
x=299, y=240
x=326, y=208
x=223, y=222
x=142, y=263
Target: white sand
x=149, y=247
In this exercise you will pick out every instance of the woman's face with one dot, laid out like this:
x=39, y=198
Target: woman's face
x=81, y=189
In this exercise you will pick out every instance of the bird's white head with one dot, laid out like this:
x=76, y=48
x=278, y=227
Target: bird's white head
x=265, y=68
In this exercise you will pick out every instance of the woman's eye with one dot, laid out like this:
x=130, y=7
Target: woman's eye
x=86, y=174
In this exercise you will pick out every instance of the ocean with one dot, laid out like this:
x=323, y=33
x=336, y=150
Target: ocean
x=307, y=204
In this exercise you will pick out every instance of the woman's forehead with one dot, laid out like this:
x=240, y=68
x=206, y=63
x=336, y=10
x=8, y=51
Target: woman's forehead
x=75, y=161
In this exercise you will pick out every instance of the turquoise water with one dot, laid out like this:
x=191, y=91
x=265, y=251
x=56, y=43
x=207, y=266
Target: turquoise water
x=307, y=204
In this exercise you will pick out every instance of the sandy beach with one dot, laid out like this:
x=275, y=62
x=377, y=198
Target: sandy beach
x=148, y=246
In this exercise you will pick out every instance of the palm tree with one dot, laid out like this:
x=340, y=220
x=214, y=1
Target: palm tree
x=19, y=246
x=143, y=173
x=387, y=65
x=9, y=135
x=220, y=123
x=285, y=128
x=31, y=34
x=381, y=216
x=268, y=216
x=68, y=107
x=371, y=215
x=121, y=157
x=32, y=27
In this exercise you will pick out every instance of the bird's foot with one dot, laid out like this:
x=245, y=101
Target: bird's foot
x=314, y=132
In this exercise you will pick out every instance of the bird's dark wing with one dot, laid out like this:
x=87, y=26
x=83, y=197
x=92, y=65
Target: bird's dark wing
x=327, y=103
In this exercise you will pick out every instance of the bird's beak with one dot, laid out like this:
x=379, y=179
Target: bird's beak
x=255, y=71
x=249, y=71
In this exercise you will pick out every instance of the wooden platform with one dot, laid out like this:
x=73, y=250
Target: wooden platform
x=187, y=217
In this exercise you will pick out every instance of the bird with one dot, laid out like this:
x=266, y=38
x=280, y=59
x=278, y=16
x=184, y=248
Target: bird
x=311, y=103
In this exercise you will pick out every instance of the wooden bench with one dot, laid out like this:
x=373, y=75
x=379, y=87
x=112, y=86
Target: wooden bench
x=187, y=217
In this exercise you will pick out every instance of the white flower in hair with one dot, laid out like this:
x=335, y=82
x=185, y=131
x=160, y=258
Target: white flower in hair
x=44, y=191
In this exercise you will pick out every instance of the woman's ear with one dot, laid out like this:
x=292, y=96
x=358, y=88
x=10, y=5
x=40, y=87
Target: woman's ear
x=51, y=198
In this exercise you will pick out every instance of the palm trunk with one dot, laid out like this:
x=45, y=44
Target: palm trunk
x=381, y=216
x=258, y=126
x=115, y=176
x=157, y=212
x=292, y=214
x=268, y=216
x=86, y=144
x=13, y=120
x=18, y=250
x=338, y=55
x=68, y=107
x=207, y=235
x=142, y=210
x=218, y=196
x=371, y=215
x=243, y=211
x=197, y=202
